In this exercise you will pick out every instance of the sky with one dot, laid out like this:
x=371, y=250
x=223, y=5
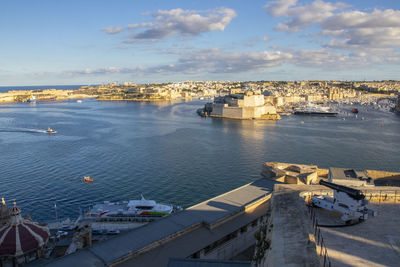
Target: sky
x=47, y=42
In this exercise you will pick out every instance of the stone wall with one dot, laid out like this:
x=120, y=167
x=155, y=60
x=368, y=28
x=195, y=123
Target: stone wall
x=232, y=112
x=291, y=240
x=253, y=100
x=217, y=109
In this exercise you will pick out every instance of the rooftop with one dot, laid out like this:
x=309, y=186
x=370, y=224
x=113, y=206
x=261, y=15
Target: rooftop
x=206, y=263
x=346, y=173
x=200, y=222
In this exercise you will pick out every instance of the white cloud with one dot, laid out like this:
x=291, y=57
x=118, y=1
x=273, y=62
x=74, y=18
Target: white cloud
x=178, y=21
x=356, y=29
x=113, y=29
x=376, y=32
x=187, y=22
x=139, y=25
x=101, y=71
x=301, y=16
x=202, y=61
x=280, y=7
x=218, y=61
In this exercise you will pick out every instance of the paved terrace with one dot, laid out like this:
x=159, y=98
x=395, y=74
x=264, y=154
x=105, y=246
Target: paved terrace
x=375, y=242
x=181, y=234
x=292, y=243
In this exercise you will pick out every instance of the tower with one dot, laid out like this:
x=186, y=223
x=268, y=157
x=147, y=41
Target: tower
x=4, y=213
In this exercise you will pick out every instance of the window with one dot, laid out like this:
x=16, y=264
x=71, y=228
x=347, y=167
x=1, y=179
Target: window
x=144, y=207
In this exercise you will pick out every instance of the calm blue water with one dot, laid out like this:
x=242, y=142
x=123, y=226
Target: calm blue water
x=166, y=153
x=4, y=89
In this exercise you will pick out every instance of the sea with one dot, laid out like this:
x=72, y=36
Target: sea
x=167, y=153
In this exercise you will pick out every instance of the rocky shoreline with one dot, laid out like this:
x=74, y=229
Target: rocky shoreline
x=25, y=95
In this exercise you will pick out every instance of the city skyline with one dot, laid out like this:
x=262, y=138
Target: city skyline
x=89, y=42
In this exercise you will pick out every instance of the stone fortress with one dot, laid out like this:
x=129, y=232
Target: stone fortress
x=239, y=105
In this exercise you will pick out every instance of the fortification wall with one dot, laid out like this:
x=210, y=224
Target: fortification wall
x=232, y=112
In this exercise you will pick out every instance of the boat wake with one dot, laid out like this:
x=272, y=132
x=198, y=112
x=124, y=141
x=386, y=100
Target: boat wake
x=22, y=130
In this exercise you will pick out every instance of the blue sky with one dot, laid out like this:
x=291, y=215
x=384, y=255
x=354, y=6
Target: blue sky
x=86, y=42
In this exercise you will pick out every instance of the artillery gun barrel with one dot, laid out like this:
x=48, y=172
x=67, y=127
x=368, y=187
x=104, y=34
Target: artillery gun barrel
x=354, y=193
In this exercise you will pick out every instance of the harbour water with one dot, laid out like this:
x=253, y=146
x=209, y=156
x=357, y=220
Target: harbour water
x=166, y=152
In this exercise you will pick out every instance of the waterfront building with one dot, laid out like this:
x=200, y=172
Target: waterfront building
x=21, y=241
x=219, y=228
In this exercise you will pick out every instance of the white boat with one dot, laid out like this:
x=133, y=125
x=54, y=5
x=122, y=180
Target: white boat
x=131, y=208
x=50, y=131
x=32, y=99
x=314, y=110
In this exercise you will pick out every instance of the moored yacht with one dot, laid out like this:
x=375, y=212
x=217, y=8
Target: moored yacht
x=131, y=208
x=314, y=110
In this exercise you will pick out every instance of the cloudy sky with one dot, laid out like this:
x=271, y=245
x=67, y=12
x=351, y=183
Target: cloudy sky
x=86, y=42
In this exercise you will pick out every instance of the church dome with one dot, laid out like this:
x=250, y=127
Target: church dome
x=18, y=237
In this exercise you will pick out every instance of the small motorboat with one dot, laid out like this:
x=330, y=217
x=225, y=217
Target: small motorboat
x=50, y=131
x=88, y=179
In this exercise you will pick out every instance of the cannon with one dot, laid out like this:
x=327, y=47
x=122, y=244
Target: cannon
x=353, y=193
x=348, y=201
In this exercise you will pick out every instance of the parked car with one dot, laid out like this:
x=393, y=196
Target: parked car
x=67, y=227
x=113, y=232
x=61, y=233
x=97, y=232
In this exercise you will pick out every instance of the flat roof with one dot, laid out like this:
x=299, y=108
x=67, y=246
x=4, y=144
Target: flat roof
x=204, y=217
x=206, y=263
x=194, y=241
x=346, y=173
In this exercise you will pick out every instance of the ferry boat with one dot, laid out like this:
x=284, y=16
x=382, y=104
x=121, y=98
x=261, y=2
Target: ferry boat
x=314, y=110
x=50, y=131
x=131, y=208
